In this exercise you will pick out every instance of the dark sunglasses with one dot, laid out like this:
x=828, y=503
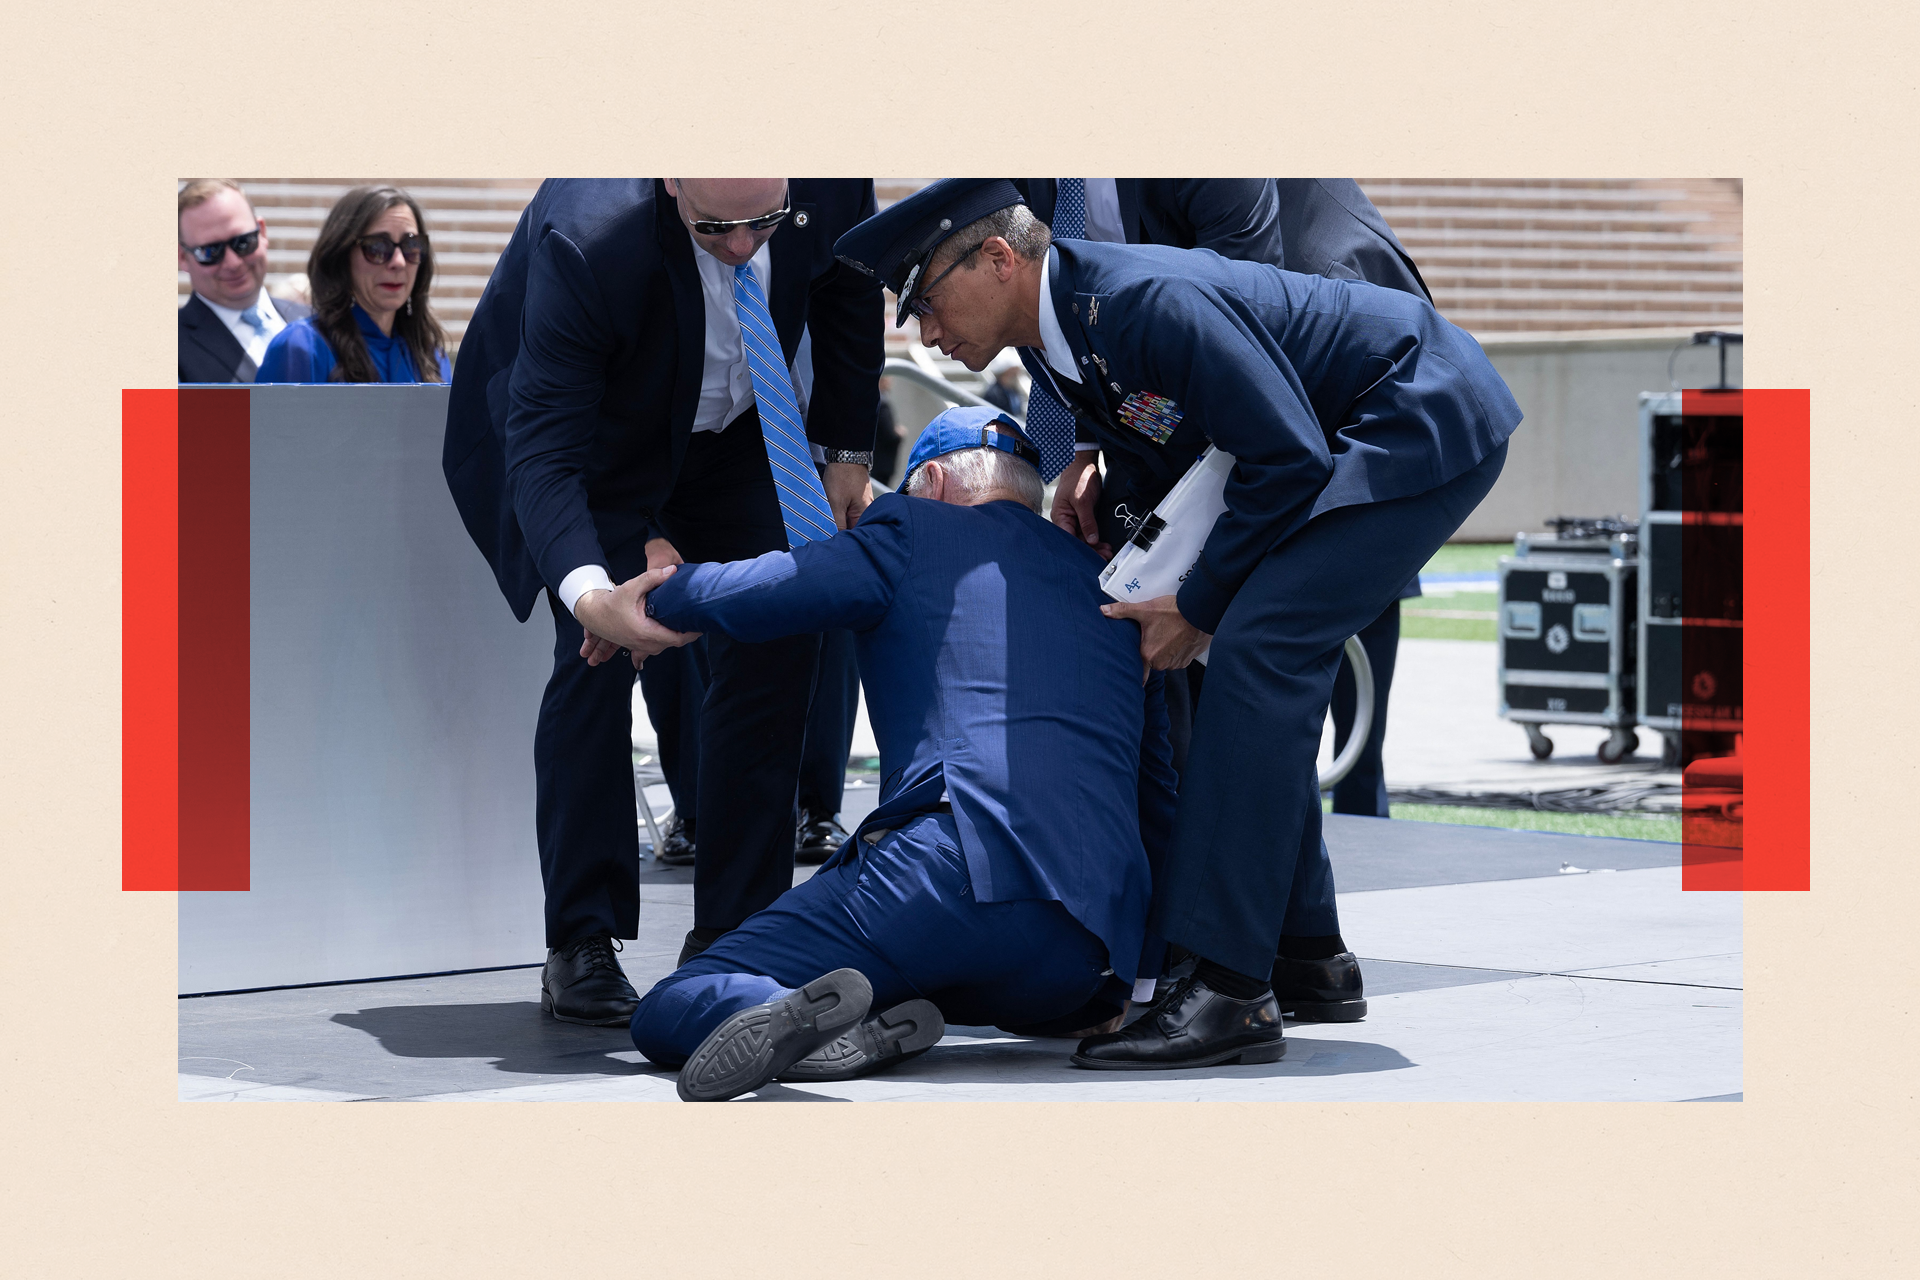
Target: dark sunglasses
x=209, y=254
x=707, y=227
x=919, y=308
x=379, y=249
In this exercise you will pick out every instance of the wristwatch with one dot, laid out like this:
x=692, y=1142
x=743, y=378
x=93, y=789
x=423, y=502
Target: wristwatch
x=859, y=457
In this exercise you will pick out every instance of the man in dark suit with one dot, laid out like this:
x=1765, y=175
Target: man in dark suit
x=1003, y=877
x=229, y=319
x=1364, y=427
x=624, y=398
x=1318, y=226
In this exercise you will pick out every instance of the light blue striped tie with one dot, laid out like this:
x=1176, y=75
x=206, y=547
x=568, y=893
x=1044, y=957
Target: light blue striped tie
x=1050, y=422
x=803, y=501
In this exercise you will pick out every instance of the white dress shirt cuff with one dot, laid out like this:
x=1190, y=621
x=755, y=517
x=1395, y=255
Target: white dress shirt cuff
x=1086, y=446
x=588, y=577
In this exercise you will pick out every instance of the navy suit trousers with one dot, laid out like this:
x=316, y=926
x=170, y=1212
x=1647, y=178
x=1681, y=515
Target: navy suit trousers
x=1364, y=790
x=1248, y=863
x=902, y=912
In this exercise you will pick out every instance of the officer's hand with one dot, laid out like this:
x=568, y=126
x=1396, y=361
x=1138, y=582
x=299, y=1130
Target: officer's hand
x=1075, y=495
x=617, y=619
x=660, y=553
x=1167, y=640
x=849, y=490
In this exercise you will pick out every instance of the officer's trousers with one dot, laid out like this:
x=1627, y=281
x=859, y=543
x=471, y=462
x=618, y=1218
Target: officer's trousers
x=902, y=912
x=1247, y=862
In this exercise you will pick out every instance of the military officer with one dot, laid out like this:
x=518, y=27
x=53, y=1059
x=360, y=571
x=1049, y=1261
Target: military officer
x=1365, y=429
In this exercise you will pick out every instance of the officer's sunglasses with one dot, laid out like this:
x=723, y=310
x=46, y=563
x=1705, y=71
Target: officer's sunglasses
x=379, y=249
x=708, y=227
x=919, y=308
x=208, y=255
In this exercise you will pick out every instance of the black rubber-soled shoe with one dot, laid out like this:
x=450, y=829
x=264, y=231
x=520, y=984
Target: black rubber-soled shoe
x=583, y=983
x=1327, y=990
x=757, y=1044
x=1191, y=1026
x=676, y=845
x=817, y=838
x=884, y=1040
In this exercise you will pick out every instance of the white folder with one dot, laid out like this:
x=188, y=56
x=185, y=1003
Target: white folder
x=1166, y=546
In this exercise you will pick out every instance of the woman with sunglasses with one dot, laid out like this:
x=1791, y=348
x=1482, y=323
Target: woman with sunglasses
x=369, y=272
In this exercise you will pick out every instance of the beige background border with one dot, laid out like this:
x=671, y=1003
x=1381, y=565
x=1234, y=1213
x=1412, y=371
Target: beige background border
x=107, y=1175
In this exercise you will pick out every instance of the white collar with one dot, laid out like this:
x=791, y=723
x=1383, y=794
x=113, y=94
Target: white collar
x=231, y=315
x=1053, y=339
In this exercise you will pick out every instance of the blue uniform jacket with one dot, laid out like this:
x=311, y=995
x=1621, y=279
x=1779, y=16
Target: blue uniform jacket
x=1329, y=393
x=990, y=674
x=579, y=375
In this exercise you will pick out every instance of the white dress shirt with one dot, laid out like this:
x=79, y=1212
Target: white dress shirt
x=253, y=342
x=1103, y=211
x=726, y=382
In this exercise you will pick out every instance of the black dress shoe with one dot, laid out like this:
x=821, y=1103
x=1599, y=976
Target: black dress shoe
x=817, y=838
x=883, y=1040
x=1191, y=1026
x=1320, y=990
x=698, y=940
x=676, y=845
x=583, y=983
x=757, y=1044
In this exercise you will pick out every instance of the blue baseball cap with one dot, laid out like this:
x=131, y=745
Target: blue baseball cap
x=970, y=427
x=894, y=245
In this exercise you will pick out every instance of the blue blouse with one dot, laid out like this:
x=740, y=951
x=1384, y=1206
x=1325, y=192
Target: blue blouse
x=298, y=353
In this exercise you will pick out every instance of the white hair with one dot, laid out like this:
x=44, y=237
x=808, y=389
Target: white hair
x=974, y=473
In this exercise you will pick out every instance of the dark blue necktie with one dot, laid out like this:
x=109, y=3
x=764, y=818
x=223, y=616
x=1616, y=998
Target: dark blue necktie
x=803, y=500
x=1049, y=422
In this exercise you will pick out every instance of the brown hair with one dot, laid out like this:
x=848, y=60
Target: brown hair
x=200, y=190
x=330, y=277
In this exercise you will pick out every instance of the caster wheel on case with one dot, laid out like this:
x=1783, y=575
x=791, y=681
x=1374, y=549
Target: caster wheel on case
x=1538, y=743
x=1620, y=744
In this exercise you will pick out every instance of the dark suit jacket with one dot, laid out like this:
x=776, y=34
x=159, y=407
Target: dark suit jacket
x=1329, y=228
x=579, y=376
x=1328, y=393
x=991, y=676
x=208, y=350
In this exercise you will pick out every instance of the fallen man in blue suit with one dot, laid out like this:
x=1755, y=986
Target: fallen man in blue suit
x=1001, y=699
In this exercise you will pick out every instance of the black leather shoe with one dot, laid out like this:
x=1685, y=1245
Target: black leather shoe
x=698, y=940
x=676, y=846
x=1320, y=990
x=583, y=983
x=817, y=839
x=757, y=1044
x=884, y=1040
x=1192, y=1026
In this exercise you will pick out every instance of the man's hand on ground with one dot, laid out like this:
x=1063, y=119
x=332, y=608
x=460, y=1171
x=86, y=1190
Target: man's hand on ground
x=1111, y=1024
x=617, y=619
x=1075, y=495
x=849, y=489
x=1167, y=640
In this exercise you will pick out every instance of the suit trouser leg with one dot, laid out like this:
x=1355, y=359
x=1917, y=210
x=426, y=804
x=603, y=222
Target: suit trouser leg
x=1246, y=843
x=902, y=912
x=585, y=817
x=830, y=721
x=674, y=685
x=1364, y=790
x=724, y=507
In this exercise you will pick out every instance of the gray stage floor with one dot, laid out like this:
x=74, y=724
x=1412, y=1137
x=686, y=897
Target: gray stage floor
x=1499, y=965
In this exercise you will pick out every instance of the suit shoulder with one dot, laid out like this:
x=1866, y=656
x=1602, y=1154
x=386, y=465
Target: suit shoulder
x=592, y=211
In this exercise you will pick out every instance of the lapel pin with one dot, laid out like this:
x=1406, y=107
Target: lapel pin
x=800, y=218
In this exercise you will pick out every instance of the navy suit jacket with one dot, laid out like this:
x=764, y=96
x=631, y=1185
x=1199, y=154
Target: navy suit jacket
x=1328, y=392
x=208, y=350
x=579, y=375
x=991, y=675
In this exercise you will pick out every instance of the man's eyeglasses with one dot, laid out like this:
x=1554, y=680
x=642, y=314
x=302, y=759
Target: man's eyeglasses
x=379, y=249
x=708, y=227
x=919, y=308
x=208, y=255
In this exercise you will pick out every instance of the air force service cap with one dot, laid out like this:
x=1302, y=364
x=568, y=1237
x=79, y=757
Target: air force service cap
x=970, y=427
x=895, y=244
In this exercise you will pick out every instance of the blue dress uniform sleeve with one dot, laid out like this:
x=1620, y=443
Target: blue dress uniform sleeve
x=554, y=398
x=297, y=354
x=846, y=581
x=1248, y=399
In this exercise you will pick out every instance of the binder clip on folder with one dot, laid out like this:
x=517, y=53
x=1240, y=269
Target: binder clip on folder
x=1166, y=547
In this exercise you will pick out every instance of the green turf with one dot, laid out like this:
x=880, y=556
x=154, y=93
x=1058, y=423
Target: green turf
x=1623, y=826
x=1469, y=557
x=1414, y=626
